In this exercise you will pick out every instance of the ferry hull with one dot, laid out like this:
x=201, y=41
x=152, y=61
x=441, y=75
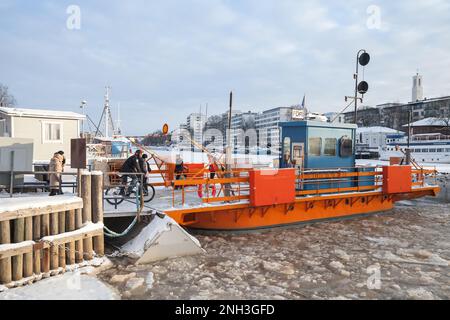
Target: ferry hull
x=242, y=217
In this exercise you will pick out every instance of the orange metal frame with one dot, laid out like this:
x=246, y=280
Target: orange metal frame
x=309, y=206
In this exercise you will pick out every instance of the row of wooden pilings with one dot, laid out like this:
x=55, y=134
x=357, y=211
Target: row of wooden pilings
x=45, y=240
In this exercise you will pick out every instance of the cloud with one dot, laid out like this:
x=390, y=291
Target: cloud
x=164, y=59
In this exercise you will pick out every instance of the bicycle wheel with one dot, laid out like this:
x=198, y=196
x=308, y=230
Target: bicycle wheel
x=115, y=193
x=149, y=193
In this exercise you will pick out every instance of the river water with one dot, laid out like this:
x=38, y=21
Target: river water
x=402, y=254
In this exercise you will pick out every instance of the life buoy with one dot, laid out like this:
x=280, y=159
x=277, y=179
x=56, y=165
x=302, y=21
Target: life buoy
x=200, y=190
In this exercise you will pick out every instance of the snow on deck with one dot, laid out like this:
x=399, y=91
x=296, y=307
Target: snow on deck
x=34, y=202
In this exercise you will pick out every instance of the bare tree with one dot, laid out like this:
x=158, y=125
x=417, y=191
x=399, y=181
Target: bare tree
x=6, y=99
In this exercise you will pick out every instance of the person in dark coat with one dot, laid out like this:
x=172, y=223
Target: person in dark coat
x=147, y=169
x=144, y=164
x=180, y=169
x=132, y=165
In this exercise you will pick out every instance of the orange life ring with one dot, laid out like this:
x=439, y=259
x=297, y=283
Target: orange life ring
x=200, y=190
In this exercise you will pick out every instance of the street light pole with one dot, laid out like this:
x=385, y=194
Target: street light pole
x=356, y=76
x=83, y=105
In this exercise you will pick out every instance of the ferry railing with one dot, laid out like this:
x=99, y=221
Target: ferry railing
x=238, y=184
x=359, y=181
x=364, y=180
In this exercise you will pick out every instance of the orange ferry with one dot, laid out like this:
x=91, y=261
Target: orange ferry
x=317, y=180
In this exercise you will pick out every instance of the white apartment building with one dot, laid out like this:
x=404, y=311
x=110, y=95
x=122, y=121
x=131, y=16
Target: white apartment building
x=196, y=122
x=335, y=117
x=267, y=125
x=370, y=139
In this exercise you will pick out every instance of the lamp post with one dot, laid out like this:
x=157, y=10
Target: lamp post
x=83, y=105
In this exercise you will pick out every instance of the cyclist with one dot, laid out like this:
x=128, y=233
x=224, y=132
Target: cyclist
x=133, y=164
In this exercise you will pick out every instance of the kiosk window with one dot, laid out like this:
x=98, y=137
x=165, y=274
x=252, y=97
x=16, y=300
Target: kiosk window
x=314, y=146
x=330, y=147
x=346, y=147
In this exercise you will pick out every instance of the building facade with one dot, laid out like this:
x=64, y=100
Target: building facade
x=50, y=130
x=397, y=115
x=196, y=123
x=369, y=140
x=267, y=126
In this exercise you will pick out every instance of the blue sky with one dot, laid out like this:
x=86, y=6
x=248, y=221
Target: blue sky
x=163, y=59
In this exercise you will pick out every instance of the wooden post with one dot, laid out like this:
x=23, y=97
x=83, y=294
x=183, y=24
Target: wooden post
x=86, y=194
x=54, y=249
x=79, y=243
x=62, y=248
x=71, y=227
x=5, y=264
x=97, y=210
x=88, y=248
x=19, y=236
x=37, y=237
x=45, y=231
x=28, y=257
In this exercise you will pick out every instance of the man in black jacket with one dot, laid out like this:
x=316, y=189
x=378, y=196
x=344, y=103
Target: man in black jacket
x=132, y=165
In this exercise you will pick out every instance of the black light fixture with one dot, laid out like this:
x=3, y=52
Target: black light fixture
x=363, y=59
x=363, y=87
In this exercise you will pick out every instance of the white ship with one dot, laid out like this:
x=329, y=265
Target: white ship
x=428, y=148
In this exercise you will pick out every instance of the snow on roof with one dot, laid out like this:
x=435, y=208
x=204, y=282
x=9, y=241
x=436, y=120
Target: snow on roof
x=376, y=130
x=429, y=122
x=40, y=113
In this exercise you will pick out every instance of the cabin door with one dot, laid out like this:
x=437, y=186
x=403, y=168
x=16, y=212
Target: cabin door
x=298, y=157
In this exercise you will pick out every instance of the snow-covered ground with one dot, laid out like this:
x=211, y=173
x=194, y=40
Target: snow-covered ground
x=69, y=286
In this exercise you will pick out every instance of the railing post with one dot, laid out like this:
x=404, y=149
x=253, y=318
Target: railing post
x=11, y=181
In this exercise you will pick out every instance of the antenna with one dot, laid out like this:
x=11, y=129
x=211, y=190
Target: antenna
x=106, y=116
x=107, y=111
x=119, y=130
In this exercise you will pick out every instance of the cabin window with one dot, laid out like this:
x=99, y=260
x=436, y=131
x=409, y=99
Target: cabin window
x=346, y=147
x=447, y=150
x=440, y=150
x=432, y=150
x=287, y=148
x=51, y=132
x=314, y=146
x=424, y=150
x=330, y=147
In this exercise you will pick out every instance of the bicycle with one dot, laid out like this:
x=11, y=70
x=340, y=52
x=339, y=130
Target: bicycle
x=135, y=187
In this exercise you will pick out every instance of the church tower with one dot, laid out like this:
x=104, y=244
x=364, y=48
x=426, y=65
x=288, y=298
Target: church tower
x=417, y=90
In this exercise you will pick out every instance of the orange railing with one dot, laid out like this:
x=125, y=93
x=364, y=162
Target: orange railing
x=343, y=176
x=237, y=181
